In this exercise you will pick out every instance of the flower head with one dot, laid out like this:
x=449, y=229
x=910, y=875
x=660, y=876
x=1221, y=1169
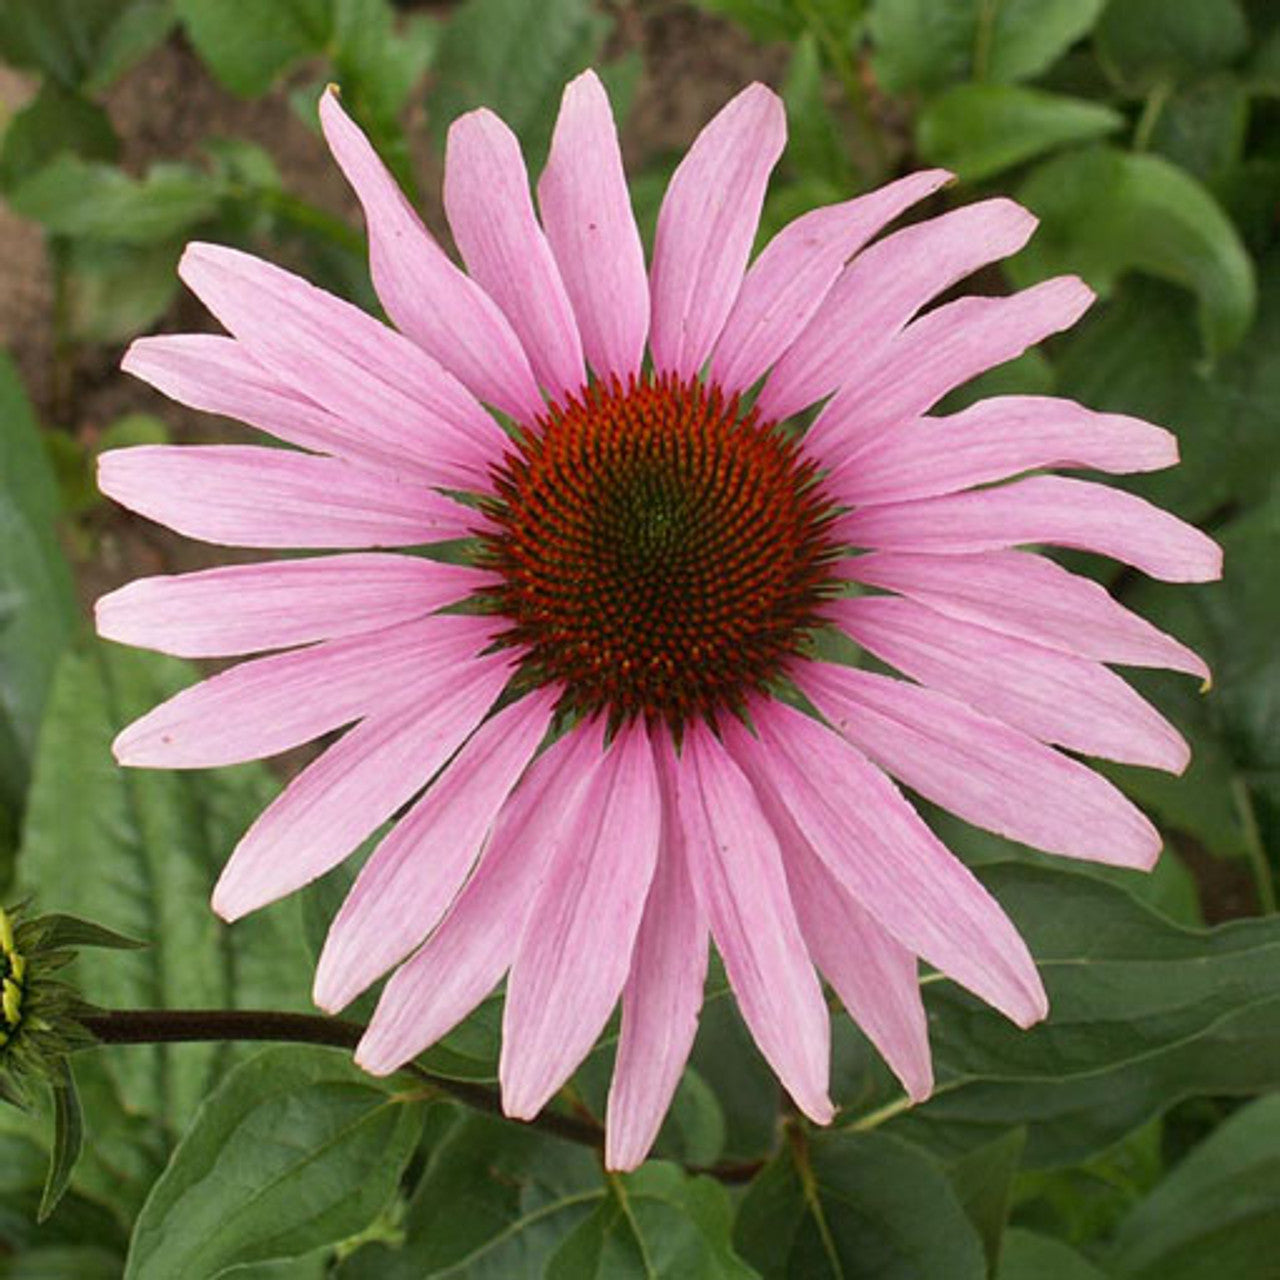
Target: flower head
x=597, y=713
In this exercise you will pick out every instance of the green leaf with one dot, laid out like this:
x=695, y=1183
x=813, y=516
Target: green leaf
x=767, y=20
x=657, y=1222
x=1143, y=1014
x=514, y=58
x=247, y=44
x=55, y=121
x=37, y=597
x=69, y=931
x=137, y=852
x=815, y=145
x=1202, y=128
x=1105, y=212
x=68, y=1140
x=62, y=38
x=114, y=291
x=1144, y=43
x=1028, y=1256
x=64, y=1262
x=139, y=28
x=295, y=1149
x=496, y=1201
x=1217, y=1213
x=850, y=1205
x=921, y=44
x=978, y=130
x=983, y=1181
x=73, y=197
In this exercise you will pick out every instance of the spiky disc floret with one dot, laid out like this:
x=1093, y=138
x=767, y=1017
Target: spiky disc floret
x=662, y=553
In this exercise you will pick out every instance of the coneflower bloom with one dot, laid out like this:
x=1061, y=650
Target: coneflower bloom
x=609, y=730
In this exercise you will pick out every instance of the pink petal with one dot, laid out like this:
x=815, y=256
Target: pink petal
x=937, y=353
x=406, y=886
x=586, y=210
x=791, y=277
x=1051, y=695
x=1022, y=594
x=873, y=974
x=880, y=291
x=982, y=770
x=1052, y=509
x=338, y=356
x=486, y=196
x=737, y=872
x=706, y=225
x=575, y=951
x=218, y=375
x=250, y=608
x=341, y=798
x=462, y=961
x=440, y=307
x=996, y=439
x=663, y=995
x=268, y=705
x=246, y=496
x=877, y=847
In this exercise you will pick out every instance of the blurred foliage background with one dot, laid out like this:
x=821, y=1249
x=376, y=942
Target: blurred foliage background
x=1132, y=1137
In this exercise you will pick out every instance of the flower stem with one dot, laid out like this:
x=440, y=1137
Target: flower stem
x=177, y=1026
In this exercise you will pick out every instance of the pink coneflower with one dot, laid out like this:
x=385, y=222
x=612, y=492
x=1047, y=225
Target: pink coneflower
x=602, y=705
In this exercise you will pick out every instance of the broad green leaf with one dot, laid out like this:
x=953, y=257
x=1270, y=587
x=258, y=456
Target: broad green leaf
x=297, y=1148
x=56, y=120
x=514, y=58
x=983, y=1182
x=74, y=197
x=1143, y=1013
x=1217, y=1213
x=1144, y=43
x=37, y=598
x=1202, y=128
x=247, y=43
x=61, y=38
x=496, y=1201
x=64, y=1262
x=115, y=291
x=921, y=44
x=139, y=28
x=978, y=130
x=1028, y=1256
x=656, y=1222
x=851, y=1205
x=1106, y=212
x=137, y=852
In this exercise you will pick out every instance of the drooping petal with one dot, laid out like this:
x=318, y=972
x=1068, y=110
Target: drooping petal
x=251, y=608
x=486, y=196
x=586, y=210
x=410, y=879
x=218, y=375
x=358, y=368
x=575, y=951
x=787, y=283
x=706, y=225
x=344, y=796
x=737, y=872
x=267, y=705
x=881, y=290
x=440, y=307
x=246, y=496
x=937, y=353
x=1022, y=594
x=1052, y=509
x=994, y=440
x=663, y=995
x=874, y=975
x=982, y=770
x=880, y=850
x=462, y=961
x=1051, y=695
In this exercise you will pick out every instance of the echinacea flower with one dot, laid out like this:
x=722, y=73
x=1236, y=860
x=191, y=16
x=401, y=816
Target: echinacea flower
x=595, y=721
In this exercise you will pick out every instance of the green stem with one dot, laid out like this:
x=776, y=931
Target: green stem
x=1152, y=110
x=184, y=1026
x=982, y=38
x=1259, y=863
